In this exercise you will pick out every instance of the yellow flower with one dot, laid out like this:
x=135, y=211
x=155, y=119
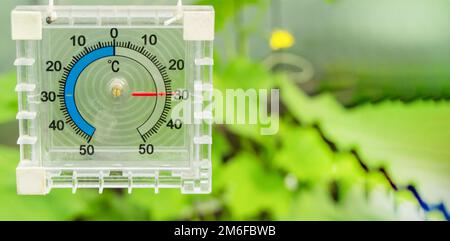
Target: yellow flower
x=281, y=39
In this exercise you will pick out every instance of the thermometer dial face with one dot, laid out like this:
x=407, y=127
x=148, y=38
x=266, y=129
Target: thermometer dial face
x=114, y=97
x=111, y=93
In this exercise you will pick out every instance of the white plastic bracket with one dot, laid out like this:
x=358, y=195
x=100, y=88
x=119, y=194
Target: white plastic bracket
x=198, y=26
x=31, y=181
x=51, y=14
x=26, y=25
x=178, y=14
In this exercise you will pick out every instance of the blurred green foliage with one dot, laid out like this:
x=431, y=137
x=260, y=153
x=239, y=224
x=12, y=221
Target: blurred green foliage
x=229, y=9
x=251, y=184
x=8, y=101
x=411, y=139
x=294, y=175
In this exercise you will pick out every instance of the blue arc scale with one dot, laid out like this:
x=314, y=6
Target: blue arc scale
x=72, y=78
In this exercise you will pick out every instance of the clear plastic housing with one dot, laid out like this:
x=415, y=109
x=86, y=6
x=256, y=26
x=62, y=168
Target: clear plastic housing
x=135, y=143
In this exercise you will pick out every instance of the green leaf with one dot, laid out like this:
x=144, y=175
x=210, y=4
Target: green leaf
x=8, y=97
x=243, y=79
x=315, y=204
x=305, y=155
x=245, y=74
x=253, y=190
x=409, y=140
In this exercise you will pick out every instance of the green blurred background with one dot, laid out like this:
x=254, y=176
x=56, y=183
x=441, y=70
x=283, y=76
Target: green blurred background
x=365, y=118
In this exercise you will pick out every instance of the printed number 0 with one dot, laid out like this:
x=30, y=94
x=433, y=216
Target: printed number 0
x=146, y=149
x=176, y=64
x=87, y=150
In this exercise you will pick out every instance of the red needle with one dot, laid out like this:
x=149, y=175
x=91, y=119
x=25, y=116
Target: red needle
x=150, y=94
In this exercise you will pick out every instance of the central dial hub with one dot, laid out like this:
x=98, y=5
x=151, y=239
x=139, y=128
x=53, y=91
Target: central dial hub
x=117, y=87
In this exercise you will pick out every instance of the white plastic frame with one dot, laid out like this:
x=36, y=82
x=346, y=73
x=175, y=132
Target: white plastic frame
x=33, y=178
